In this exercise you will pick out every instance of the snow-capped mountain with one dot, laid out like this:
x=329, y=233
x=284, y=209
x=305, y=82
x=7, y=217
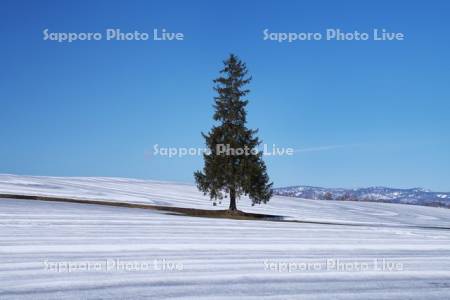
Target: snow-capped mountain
x=417, y=196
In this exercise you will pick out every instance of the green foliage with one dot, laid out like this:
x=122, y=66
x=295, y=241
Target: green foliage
x=233, y=174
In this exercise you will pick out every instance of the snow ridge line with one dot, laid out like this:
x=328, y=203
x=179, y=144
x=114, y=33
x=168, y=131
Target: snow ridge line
x=193, y=212
x=196, y=212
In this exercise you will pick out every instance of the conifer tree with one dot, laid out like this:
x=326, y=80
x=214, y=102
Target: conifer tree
x=233, y=166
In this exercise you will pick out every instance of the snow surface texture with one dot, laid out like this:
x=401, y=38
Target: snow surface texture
x=208, y=258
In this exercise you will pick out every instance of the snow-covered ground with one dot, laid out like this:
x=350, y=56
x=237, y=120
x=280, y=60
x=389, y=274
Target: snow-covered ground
x=137, y=253
x=187, y=195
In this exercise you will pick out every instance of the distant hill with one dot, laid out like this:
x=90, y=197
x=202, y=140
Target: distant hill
x=416, y=196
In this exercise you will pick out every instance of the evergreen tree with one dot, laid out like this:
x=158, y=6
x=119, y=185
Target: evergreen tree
x=240, y=170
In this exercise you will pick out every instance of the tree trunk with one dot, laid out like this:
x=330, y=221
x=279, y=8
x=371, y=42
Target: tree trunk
x=232, y=200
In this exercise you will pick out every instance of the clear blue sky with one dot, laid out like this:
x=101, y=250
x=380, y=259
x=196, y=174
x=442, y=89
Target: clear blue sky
x=370, y=113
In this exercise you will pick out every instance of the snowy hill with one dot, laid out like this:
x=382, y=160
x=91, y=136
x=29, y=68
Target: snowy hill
x=186, y=195
x=415, y=196
x=324, y=249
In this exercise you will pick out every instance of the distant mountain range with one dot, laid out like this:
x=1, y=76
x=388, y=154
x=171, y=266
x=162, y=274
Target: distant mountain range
x=417, y=196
